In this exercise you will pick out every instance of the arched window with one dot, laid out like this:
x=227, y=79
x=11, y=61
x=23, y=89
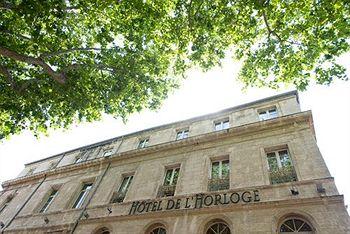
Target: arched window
x=218, y=227
x=103, y=230
x=296, y=225
x=157, y=230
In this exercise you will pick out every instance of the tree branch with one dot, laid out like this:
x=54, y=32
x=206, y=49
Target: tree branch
x=8, y=76
x=269, y=28
x=57, y=76
x=47, y=55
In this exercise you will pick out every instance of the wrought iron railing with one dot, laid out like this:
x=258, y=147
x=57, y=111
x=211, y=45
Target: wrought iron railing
x=166, y=190
x=118, y=197
x=218, y=184
x=283, y=175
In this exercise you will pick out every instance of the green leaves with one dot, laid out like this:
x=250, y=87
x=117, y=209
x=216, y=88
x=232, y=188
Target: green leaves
x=70, y=61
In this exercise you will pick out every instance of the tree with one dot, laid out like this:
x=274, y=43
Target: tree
x=63, y=61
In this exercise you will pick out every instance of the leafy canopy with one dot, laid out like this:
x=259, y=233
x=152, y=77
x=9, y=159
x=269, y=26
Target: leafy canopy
x=63, y=61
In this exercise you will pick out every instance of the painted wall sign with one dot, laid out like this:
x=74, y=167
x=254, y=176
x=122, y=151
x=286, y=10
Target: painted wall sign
x=195, y=202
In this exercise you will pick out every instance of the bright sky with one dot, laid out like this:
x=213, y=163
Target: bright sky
x=200, y=94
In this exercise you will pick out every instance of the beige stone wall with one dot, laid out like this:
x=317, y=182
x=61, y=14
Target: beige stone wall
x=285, y=105
x=245, y=145
x=329, y=219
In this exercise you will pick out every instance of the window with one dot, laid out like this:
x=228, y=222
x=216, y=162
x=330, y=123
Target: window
x=82, y=195
x=79, y=159
x=48, y=201
x=268, y=114
x=158, y=230
x=30, y=171
x=108, y=153
x=280, y=166
x=218, y=227
x=219, y=176
x=182, y=134
x=143, y=143
x=123, y=189
x=103, y=230
x=170, y=180
x=220, y=169
x=295, y=225
x=221, y=125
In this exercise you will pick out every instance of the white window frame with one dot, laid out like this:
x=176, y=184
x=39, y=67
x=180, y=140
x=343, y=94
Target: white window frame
x=79, y=201
x=268, y=111
x=48, y=201
x=171, y=183
x=220, y=167
x=128, y=183
x=143, y=143
x=183, y=133
x=277, y=156
x=221, y=123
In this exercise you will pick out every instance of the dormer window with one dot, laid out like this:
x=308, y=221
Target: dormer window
x=143, y=143
x=182, y=134
x=79, y=159
x=31, y=171
x=108, y=152
x=222, y=124
x=269, y=113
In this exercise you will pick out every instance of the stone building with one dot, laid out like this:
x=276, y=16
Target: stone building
x=253, y=168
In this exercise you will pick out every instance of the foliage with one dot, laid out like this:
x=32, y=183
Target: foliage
x=67, y=60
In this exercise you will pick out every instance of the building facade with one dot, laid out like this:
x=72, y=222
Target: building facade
x=254, y=168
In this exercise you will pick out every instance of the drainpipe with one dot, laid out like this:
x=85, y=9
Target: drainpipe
x=25, y=203
x=90, y=197
x=64, y=154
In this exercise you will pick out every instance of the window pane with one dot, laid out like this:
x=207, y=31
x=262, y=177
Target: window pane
x=176, y=175
x=128, y=183
x=284, y=158
x=226, y=124
x=215, y=170
x=225, y=169
x=185, y=134
x=84, y=192
x=262, y=115
x=272, y=160
x=125, y=184
x=49, y=201
x=168, y=177
x=179, y=136
x=218, y=126
x=273, y=113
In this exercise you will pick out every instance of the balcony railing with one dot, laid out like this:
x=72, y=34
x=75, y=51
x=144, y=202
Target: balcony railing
x=283, y=175
x=166, y=190
x=118, y=197
x=218, y=184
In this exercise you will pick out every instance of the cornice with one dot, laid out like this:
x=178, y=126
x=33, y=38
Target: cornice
x=190, y=120
x=246, y=129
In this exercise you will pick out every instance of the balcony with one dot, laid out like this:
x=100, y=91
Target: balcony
x=118, y=197
x=166, y=190
x=283, y=175
x=218, y=184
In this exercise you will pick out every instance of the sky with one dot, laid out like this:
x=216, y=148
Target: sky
x=202, y=93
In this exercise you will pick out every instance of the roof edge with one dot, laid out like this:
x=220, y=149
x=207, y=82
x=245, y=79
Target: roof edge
x=108, y=141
